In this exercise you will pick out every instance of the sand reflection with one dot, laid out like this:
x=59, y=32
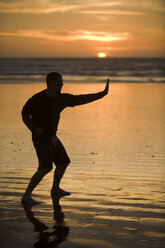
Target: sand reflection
x=49, y=237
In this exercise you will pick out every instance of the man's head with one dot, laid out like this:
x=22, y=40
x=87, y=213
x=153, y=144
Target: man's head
x=54, y=82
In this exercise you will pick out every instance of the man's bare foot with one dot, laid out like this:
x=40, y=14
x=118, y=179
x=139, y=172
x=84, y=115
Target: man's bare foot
x=59, y=192
x=29, y=200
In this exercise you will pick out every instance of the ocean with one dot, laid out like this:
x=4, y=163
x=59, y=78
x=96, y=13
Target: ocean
x=83, y=70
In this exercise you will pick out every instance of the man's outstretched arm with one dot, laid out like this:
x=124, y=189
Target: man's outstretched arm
x=87, y=98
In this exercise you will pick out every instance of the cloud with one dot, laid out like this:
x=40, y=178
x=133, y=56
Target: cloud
x=70, y=35
x=120, y=48
x=126, y=7
x=101, y=4
x=110, y=12
x=48, y=7
x=99, y=36
x=35, y=7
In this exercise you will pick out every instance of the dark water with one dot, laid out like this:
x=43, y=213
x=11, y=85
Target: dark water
x=28, y=70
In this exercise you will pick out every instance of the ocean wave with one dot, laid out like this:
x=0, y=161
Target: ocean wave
x=139, y=70
x=22, y=79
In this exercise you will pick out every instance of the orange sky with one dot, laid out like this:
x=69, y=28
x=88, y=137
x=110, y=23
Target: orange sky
x=81, y=28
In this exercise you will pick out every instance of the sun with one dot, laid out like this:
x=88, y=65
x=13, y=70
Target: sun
x=101, y=55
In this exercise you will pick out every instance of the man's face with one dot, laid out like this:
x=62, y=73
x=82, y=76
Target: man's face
x=55, y=85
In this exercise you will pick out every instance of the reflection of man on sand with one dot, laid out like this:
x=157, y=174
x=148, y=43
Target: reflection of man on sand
x=41, y=115
x=49, y=237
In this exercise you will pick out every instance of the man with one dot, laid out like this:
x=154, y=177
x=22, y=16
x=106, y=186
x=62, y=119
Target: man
x=41, y=115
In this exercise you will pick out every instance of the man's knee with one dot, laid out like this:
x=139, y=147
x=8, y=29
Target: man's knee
x=66, y=164
x=45, y=171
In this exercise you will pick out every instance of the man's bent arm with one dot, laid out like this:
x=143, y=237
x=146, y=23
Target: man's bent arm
x=28, y=121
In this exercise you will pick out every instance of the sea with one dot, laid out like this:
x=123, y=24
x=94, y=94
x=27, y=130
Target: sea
x=83, y=70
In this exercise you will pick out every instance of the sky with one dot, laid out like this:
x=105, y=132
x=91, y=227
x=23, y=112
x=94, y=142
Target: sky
x=82, y=28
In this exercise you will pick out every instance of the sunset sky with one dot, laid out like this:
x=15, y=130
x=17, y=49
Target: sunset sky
x=82, y=28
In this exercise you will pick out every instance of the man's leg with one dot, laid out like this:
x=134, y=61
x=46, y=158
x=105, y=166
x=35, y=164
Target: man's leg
x=58, y=174
x=35, y=180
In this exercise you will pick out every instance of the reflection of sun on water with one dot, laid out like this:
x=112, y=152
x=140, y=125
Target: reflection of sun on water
x=101, y=55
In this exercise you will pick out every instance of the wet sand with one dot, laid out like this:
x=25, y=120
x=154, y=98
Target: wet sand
x=117, y=149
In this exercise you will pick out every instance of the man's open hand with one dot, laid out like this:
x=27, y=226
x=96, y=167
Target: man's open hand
x=106, y=87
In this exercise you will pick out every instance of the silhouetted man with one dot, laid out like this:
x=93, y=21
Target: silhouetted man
x=41, y=115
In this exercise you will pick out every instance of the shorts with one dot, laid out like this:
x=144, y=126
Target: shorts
x=49, y=153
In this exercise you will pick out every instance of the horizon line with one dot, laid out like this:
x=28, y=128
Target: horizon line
x=83, y=57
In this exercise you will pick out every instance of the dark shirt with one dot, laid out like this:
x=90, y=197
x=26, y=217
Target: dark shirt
x=44, y=110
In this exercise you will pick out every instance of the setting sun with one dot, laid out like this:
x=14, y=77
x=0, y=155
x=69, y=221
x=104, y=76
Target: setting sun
x=101, y=55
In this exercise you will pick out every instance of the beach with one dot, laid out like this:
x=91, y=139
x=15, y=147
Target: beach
x=116, y=176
